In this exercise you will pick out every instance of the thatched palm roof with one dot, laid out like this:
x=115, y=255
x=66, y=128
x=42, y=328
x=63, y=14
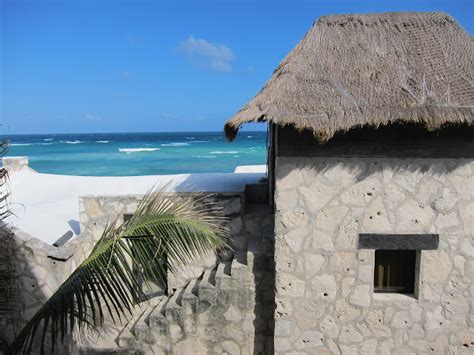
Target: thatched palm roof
x=375, y=69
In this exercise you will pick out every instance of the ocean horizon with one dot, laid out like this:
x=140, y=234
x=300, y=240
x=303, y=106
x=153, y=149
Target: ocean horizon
x=137, y=154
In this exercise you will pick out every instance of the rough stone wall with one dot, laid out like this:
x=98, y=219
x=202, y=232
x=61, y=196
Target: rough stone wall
x=237, y=319
x=324, y=283
x=36, y=277
x=95, y=212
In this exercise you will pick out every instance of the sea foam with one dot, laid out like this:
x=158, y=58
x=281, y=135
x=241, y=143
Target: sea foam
x=174, y=144
x=225, y=152
x=27, y=144
x=71, y=142
x=137, y=150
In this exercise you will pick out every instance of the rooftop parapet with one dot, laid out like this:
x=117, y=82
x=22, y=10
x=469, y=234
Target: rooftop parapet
x=16, y=164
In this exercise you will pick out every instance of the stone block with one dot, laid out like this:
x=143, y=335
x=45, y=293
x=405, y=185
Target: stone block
x=349, y=334
x=309, y=339
x=317, y=195
x=414, y=217
x=436, y=266
x=12, y=164
x=312, y=264
x=294, y=218
x=361, y=296
x=331, y=218
x=295, y=239
x=289, y=286
x=329, y=327
x=376, y=218
x=286, y=200
x=324, y=288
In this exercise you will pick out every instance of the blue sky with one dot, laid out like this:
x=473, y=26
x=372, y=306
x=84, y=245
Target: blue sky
x=144, y=66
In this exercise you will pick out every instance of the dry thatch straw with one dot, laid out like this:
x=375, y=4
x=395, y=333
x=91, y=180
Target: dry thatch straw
x=355, y=70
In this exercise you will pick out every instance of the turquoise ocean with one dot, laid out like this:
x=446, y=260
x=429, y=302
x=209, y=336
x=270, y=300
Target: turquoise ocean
x=131, y=154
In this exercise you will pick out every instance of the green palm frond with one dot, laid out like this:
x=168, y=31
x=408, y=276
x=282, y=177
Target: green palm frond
x=164, y=227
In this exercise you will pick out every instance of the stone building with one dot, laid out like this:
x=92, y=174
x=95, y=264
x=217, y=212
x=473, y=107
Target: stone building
x=371, y=174
x=361, y=241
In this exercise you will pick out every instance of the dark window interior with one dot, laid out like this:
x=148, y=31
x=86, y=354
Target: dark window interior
x=150, y=286
x=395, y=271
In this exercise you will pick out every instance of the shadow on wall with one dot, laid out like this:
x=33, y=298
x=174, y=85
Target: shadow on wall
x=217, y=182
x=30, y=278
x=265, y=305
x=350, y=170
x=400, y=148
x=259, y=236
x=10, y=303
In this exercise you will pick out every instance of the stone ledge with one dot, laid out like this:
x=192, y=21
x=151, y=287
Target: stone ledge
x=61, y=254
x=398, y=241
x=12, y=164
x=395, y=297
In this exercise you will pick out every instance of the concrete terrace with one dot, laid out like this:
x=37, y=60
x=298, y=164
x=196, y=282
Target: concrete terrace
x=47, y=206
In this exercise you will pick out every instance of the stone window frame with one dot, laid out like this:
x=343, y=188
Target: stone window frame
x=392, y=241
x=146, y=293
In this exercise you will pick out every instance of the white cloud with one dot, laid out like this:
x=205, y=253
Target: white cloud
x=213, y=56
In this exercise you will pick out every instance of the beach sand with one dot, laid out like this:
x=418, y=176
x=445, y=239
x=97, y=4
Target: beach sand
x=47, y=206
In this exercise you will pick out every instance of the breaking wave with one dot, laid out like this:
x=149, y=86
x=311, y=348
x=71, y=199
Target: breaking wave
x=174, y=144
x=71, y=142
x=137, y=150
x=225, y=152
x=27, y=144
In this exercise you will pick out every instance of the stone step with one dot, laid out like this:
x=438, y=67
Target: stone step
x=174, y=313
x=189, y=303
x=239, y=270
x=157, y=320
x=226, y=254
x=223, y=275
x=189, y=298
x=158, y=325
x=257, y=210
x=173, y=307
x=207, y=292
x=254, y=253
x=126, y=338
x=256, y=193
x=141, y=329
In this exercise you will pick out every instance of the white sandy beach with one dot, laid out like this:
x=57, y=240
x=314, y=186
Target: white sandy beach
x=47, y=206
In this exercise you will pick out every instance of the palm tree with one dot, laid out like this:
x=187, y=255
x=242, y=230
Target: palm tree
x=9, y=302
x=4, y=211
x=165, y=227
